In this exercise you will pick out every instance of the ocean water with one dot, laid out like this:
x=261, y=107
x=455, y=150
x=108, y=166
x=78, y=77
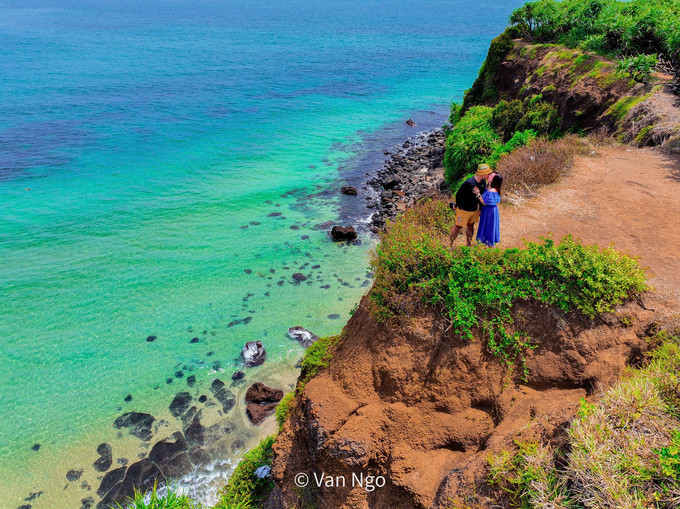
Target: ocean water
x=163, y=165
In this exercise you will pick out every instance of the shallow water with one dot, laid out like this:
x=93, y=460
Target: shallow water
x=143, y=150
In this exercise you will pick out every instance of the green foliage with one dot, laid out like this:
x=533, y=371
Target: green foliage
x=483, y=133
x=317, y=356
x=669, y=457
x=284, y=408
x=609, y=27
x=455, y=114
x=639, y=67
x=172, y=499
x=484, y=90
x=478, y=288
x=469, y=142
x=244, y=489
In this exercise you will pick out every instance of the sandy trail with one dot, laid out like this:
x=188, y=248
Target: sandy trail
x=624, y=197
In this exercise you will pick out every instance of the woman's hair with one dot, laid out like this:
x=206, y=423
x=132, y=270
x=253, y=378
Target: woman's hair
x=497, y=182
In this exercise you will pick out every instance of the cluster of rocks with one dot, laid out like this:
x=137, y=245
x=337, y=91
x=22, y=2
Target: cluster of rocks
x=412, y=172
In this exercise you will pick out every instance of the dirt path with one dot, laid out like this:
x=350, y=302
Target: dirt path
x=625, y=197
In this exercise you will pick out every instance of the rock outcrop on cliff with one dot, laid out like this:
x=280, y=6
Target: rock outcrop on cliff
x=410, y=401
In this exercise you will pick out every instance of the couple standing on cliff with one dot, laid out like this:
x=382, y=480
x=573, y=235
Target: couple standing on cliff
x=473, y=195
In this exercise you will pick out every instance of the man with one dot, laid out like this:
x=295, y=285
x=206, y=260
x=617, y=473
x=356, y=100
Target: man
x=467, y=203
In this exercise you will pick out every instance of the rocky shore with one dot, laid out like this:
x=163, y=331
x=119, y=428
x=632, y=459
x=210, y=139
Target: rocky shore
x=413, y=171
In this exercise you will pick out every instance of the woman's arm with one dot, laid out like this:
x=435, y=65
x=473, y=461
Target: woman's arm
x=479, y=196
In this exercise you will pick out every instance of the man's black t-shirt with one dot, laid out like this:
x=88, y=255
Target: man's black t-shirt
x=466, y=198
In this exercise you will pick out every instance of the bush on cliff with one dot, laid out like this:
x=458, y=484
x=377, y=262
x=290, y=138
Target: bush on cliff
x=244, y=489
x=478, y=288
x=172, y=499
x=623, y=451
x=483, y=134
x=611, y=27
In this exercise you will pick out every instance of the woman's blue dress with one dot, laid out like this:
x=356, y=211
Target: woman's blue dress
x=489, y=231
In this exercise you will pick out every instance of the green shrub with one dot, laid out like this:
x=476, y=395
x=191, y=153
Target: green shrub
x=639, y=67
x=317, y=356
x=172, y=499
x=609, y=27
x=506, y=115
x=244, y=489
x=284, y=408
x=519, y=139
x=484, y=90
x=477, y=288
x=469, y=143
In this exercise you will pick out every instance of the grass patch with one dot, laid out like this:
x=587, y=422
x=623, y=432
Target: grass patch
x=284, y=408
x=317, y=356
x=623, y=451
x=478, y=288
x=244, y=489
x=171, y=499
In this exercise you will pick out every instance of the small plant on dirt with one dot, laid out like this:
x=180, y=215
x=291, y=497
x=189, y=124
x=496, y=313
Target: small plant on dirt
x=639, y=67
x=283, y=409
x=317, y=356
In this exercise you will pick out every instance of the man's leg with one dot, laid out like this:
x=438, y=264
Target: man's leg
x=469, y=233
x=454, y=234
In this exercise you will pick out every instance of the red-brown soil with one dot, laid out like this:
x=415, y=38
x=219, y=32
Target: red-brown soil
x=412, y=402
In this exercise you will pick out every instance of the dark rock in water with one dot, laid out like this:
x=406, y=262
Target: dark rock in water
x=74, y=475
x=36, y=447
x=343, y=233
x=302, y=335
x=128, y=398
x=325, y=287
x=254, y=353
x=349, y=190
x=195, y=431
x=88, y=502
x=141, y=475
x=110, y=480
x=334, y=316
x=199, y=456
x=217, y=384
x=210, y=354
x=168, y=381
x=257, y=413
x=179, y=374
x=105, y=460
x=261, y=393
x=238, y=375
x=237, y=445
x=316, y=266
x=411, y=123
x=85, y=486
x=280, y=283
x=217, y=365
x=191, y=380
x=122, y=461
x=274, y=214
x=150, y=339
x=226, y=398
x=32, y=496
x=194, y=340
x=323, y=226
x=248, y=271
x=299, y=277
x=202, y=398
x=180, y=403
x=189, y=414
x=138, y=424
x=25, y=506
x=294, y=227
x=171, y=456
x=304, y=237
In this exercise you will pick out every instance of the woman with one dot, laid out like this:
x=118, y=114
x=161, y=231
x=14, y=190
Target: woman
x=489, y=231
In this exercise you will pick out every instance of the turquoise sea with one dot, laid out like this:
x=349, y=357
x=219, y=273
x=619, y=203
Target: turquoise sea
x=162, y=167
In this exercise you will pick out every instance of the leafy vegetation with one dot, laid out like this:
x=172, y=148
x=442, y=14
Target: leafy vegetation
x=317, y=356
x=610, y=27
x=171, y=499
x=639, y=67
x=484, y=134
x=244, y=489
x=478, y=288
x=284, y=408
x=623, y=451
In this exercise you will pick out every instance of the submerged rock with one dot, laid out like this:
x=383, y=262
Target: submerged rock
x=257, y=413
x=299, y=277
x=74, y=475
x=105, y=460
x=238, y=375
x=349, y=191
x=180, y=403
x=138, y=424
x=343, y=233
x=254, y=353
x=171, y=456
x=302, y=335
